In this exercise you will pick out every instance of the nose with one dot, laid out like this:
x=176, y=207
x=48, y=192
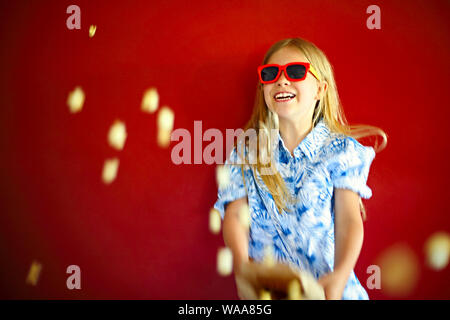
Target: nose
x=282, y=79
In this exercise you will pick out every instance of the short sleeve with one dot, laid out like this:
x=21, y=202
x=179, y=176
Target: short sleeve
x=349, y=168
x=235, y=189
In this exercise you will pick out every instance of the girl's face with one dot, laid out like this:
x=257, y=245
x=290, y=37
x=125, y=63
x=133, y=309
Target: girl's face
x=307, y=92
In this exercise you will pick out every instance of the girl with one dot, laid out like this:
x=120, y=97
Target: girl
x=307, y=211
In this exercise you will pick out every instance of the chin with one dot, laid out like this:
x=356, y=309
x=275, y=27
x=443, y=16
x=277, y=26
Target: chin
x=285, y=111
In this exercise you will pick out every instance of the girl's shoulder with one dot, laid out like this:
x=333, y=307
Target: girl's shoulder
x=339, y=145
x=348, y=163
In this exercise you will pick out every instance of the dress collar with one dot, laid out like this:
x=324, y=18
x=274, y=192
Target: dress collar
x=311, y=144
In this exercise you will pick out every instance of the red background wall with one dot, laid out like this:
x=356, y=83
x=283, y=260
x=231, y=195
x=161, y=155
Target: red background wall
x=146, y=235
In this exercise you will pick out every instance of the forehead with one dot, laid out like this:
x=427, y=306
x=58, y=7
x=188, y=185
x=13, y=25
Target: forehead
x=286, y=55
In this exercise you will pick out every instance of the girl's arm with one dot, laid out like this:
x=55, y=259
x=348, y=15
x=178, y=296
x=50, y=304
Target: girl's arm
x=349, y=231
x=234, y=234
x=349, y=235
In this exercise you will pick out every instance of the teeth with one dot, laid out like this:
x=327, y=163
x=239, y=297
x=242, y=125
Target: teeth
x=284, y=95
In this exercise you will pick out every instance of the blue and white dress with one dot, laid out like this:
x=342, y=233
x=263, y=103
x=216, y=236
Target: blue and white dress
x=303, y=237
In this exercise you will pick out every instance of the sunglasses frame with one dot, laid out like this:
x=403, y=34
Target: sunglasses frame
x=281, y=68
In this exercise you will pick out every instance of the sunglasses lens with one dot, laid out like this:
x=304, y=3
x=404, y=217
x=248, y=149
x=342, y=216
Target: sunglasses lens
x=296, y=71
x=269, y=73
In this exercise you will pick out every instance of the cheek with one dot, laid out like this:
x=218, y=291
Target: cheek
x=305, y=92
x=267, y=97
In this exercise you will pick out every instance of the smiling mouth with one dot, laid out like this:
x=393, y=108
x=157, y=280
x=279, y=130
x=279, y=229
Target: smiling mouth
x=284, y=100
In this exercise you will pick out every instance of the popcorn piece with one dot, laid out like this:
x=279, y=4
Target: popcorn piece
x=165, y=125
x=110, y=170
x=399, y=270
x=312, y=290
x=92, y=30
x=224, y=261
x=437, y=250
x=117, y=135
x=75, y=100
x=246, y=291
x=244, y=216
x=214, y=221
x=33, y=274
x=150, y=100
x=269, y=259
x=164, y=138
x=222, y=176
x=265, y=295
x=294, y=290
x=165, y=118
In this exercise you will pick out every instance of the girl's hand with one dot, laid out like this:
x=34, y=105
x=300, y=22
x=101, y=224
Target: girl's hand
x=245, y=283
x=253, y=277
x=334, y=284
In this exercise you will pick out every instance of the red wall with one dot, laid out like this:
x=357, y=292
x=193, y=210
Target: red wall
x=146, y=235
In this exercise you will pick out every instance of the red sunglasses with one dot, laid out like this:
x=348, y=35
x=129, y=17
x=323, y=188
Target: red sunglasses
x=294, y=71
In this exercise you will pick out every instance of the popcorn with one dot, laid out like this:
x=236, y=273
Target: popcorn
x=33, y=274
x=294, y=290
x=399, y=270
x=246, y=291
x=92, y=30
x=265, y=295
x=437, y=250
x=165, y=126
x=244, y=216
x=110, y=170
x=117, y=135
x=75, y=100
x=165, y=119
x=312, y=290
x=222, y=176
x=224, y=262
x=215, y=221
x=269, y=259
x=150, y=100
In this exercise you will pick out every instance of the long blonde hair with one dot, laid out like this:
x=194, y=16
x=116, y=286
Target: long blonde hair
x=329, y=109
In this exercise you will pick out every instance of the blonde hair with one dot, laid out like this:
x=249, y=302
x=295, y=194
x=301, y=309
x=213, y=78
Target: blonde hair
x=329, y=109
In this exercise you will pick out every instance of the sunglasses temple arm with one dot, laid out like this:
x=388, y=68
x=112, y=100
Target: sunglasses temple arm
x=314, y=72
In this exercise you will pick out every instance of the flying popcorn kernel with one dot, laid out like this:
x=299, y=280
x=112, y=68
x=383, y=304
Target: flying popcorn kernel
x=265, y=295
x=150, y=100
x=75, y=100
x=92, y=30
x=165, y=119
x=312, y=290
x=294, y=290
x=165, y=126
x=269, y=259
x=437, y=250
x=110, y=170
x=117, y=135
x=224, y=262
x=214, y=221
x=399, y=270
x=244, y=216
x=163, y=138
x=222, y=176
x=33, y=274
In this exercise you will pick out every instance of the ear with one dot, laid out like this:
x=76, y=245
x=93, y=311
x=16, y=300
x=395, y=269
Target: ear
x=321, y=89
